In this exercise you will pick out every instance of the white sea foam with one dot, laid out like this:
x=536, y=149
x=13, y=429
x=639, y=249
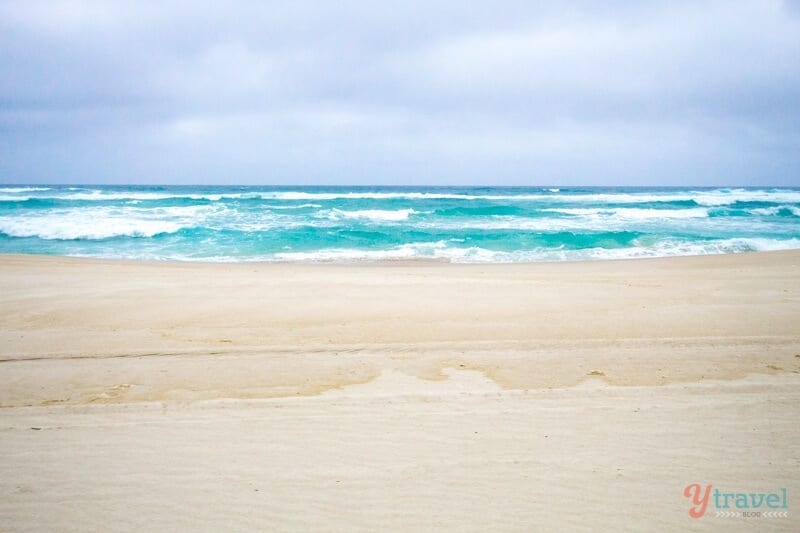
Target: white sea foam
x=70, y=228
x=101, y=196
x=585, y=215
x=728, y=197
x=671, y=247
x=299, y=206
x=105, y=222
x=376, y=215
x=708, y=198
x=633, y=213
x=23, y=189
x=13, y=198
x=440, y=250
x=405, y=251
x=590, y=223
x=716, y=197
x=301, y=195
x=771, y=211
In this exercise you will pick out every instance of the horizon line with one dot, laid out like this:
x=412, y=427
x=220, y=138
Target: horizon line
x=405, y=186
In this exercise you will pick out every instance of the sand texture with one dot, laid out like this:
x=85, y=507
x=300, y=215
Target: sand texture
x=396, y=396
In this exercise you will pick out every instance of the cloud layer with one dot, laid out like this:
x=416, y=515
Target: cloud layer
x=410, y=92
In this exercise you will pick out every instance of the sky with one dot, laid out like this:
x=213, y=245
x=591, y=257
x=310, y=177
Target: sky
x=401, y=93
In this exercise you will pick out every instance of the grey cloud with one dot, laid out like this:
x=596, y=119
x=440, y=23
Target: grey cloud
x=439, y=92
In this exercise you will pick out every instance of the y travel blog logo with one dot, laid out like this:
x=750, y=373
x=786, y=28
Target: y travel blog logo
x=736, y=504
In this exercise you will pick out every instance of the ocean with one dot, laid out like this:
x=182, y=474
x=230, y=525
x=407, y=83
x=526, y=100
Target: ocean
x=456, y=224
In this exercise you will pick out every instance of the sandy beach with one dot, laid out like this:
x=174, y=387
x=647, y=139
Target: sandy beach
x=399, y=396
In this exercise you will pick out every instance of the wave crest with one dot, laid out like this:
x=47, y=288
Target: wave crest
x=375, y=215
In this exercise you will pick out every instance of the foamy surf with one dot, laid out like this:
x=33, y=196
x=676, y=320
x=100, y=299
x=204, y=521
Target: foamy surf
x=73, y=228
x=456, y=224
x=380, y=215
x=442, y=250
x=714, y=197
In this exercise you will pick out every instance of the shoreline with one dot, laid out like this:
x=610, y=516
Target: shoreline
x=512, y=322
x=423, y=261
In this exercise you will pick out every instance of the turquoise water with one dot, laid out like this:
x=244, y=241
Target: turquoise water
x=459, y=224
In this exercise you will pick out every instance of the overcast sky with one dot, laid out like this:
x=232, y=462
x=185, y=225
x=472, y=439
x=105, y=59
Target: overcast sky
x=413, y=92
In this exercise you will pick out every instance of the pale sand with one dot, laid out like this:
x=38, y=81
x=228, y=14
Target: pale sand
x=568, y=396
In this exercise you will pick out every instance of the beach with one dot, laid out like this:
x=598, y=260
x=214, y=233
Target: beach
x=400, y=395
